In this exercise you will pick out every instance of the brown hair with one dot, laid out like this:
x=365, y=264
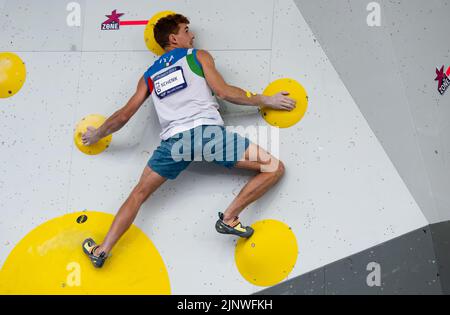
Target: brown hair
x=166, y=26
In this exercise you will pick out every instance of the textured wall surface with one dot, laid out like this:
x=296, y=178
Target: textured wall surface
x=359, y=168
x=390, y=71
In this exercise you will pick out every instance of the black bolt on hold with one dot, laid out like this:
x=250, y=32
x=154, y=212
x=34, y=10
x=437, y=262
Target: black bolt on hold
x=82, y=218
x=10, y=92
x=265, y=114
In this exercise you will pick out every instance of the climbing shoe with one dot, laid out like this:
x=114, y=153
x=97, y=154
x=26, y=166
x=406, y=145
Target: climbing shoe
x=89, y=247
x=235, y=229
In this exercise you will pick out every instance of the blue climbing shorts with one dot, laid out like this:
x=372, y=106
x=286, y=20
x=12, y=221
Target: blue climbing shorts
x=211, y=143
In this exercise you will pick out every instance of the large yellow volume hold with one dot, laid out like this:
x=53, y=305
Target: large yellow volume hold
x=50, y=260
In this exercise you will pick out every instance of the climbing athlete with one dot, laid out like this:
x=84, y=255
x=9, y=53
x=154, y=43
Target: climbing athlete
x=183, y=83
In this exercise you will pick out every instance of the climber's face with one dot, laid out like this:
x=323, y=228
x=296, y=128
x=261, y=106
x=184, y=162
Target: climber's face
x=184, y=38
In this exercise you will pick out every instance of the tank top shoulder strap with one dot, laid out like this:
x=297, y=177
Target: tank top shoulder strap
x=193, y=62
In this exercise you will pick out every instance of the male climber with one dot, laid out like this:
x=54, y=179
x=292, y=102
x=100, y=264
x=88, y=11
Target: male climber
x=180, y=83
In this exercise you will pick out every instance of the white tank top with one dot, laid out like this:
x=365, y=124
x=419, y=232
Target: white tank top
x=180, y=93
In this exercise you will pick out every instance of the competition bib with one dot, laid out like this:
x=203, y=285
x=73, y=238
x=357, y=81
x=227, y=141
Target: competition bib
x=169, y=82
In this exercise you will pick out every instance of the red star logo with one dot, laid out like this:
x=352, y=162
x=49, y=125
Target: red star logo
x=440, y=75
x=114, y=17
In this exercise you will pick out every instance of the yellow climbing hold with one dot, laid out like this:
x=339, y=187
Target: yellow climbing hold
x=269, y=255
x=284, y=118
x=50, y=260
x=12, y=74
x=149, y=38
x=94, y=120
